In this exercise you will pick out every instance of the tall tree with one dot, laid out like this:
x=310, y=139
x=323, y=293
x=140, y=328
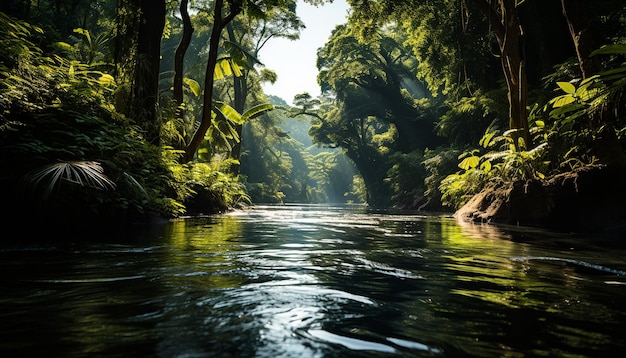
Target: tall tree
x=222, y=15
x=383, y=68
x=246, y=45
x=137, y=55
x=504, y=23
x=146, y=89
x=363, y=138
x=504, y=19
x=241, y=93
x=579, y=15
x=179, y=55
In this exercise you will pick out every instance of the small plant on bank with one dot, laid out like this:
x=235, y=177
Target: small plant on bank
x=503, y=162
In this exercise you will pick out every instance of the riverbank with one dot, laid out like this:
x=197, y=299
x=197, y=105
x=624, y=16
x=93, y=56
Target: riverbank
x=590, y=199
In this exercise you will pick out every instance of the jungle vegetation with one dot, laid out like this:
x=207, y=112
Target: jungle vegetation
x=117, y=112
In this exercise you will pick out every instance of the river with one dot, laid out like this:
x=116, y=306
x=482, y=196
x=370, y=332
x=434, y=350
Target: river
x=316, y=281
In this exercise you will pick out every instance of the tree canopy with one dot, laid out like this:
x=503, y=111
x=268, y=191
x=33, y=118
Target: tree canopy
x=136, y=108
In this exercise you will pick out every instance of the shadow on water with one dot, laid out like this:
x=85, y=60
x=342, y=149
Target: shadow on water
x=316, y=281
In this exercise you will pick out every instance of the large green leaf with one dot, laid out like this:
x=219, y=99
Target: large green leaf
x=469, y=162
x=238, y=51
x=236, y=68
x=567, y=87
x=226, y=69
x=258, y=110
x=561, y=101
x=228, y=112
x=193, y=85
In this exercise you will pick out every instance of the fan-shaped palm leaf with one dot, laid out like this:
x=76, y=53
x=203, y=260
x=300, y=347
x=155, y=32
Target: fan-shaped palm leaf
x=82, y=173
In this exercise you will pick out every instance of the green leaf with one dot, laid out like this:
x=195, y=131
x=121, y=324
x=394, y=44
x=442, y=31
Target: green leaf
x=194, y=86
x=63, y=46
x=226, y=69
x=106, y=80
x=486, y=139
x=236, y=68
x=567, y=87
x=613, y=71
x=469, y=162
x=228, y=112
x=486, y=166
x=81, y=31
x=218, y=74
x=562, y=111
x=561, y=101
x=258, y=110
x=610, y=50
x=238, y=52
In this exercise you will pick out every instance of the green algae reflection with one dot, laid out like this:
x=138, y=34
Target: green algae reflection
x=203, y=248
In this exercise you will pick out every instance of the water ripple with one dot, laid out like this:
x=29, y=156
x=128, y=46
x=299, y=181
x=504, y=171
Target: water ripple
x=351, y=343
x=570, y=261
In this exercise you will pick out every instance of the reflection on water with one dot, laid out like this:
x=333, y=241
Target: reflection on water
x=316, y=281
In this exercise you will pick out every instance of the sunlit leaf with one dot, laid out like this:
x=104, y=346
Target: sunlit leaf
x=258, y=110
x=509, y=133
x=228, y=112
x=562, y=101
x=236, y=68
x=218, y=74
x=486, y=166
x=567, y=87
x=562, y=111
x=63, y=46
x=225, y=65
x=106, y=80
x=193, y=85
x=486, y=139
x=469, y=162
x=80, y=31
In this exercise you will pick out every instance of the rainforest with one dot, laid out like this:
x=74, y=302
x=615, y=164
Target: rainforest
x=115, y=113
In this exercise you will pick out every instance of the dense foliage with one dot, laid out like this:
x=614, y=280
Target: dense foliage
x=120, y=111
x=491, y=72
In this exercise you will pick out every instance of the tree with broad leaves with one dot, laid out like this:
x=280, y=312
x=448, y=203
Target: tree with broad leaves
x=223, y=13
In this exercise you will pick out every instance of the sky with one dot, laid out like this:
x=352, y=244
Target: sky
x=294, y=61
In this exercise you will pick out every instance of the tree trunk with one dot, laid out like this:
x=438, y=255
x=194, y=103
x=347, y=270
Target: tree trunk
x=241, y=92
x=607, y=146
x=514, y=72
x=179, y=56
x=577, y=17
x=507, y=28
x=219, y=22
x=146, y=86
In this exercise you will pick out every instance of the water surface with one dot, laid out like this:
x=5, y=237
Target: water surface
x=316, y=281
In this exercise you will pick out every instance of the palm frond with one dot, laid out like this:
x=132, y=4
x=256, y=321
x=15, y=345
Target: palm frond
x=82, y=173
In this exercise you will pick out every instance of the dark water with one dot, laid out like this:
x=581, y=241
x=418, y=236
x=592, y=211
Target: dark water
x=309, y=281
